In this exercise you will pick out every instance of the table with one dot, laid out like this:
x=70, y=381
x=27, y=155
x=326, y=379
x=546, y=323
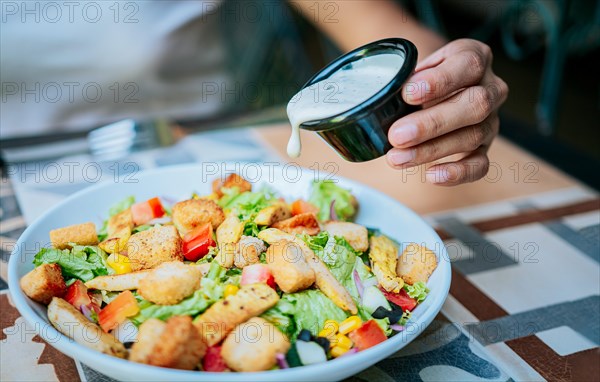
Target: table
x=525, y=297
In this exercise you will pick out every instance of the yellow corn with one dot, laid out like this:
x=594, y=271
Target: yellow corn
x=337, y=351
x=343, y=341
x=330, y=328
x=230, y=290
x=368, y=267
x=349, y=324
x=119, y=263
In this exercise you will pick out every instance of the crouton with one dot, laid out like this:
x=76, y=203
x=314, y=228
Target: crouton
x=233, y=180
x=253, y=346
x=119, y=229
x=300, y=224
x=383, y=254
x=289, y=267
x=117, y=283
x=247, y=251
x=43, y=283
x=175, y=344
x=355, y=234
x=324, y=279
x=70, y=322
x=170, y=282
x=191, y=213
x=272, y=214
x=416, y=264
x=220, y=319
x=80, y=234
x=228, y=234
x=150, y=248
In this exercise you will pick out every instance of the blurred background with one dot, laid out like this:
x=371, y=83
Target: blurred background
x=546, y=50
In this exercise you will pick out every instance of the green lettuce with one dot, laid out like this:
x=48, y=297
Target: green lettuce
x=324, y=192
x=246, y=205
x=112, y=211
x=308, y=309
x=342, y=260
x=81, y=262
x=418, y=291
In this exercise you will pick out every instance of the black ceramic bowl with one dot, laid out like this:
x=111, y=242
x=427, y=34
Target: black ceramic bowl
x=360, y=134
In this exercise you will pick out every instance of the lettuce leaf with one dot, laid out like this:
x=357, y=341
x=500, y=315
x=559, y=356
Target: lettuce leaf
x=324, y=192
x=303, y=310
x=342, y=260
x=418, y=291
x=81, y=262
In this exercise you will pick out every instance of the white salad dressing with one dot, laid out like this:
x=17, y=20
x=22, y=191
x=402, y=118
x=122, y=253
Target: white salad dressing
x=348, y=87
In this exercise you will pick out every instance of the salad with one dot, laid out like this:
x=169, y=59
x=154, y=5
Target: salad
x=239, y=280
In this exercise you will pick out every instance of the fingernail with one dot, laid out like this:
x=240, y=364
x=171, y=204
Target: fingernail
x=399, y=157
x=437, y=176
x=404, y=134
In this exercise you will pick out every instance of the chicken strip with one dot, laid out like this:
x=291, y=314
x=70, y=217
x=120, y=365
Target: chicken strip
x=384, y=259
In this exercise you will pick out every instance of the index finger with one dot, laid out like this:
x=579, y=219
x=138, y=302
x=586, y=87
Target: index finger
x=458, y=71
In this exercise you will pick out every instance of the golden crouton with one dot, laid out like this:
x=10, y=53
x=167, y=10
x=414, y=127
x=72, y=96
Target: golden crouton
x=170, y=282
x=288, y=266
x=80, y=234
x=247, y=251
x=306, y=223
x=119, y=229
x=43, y=283
x=228, y=234
x=253, y=346
x=148, y=249
x=233, y=180
x=175, y=344
x=324, y=279
x=70, y=322
x=117, y=283
x=220, y=319
x=191, y=213
x=272, y=214
x=384, y=257
x=355, y=234
x=416, y=264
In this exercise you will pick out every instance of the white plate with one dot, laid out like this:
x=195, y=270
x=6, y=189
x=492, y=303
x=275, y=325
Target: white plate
x=376, y=210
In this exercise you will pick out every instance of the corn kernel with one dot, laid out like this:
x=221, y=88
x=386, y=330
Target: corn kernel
x=349, y=324
x=230, y=290
x=119, y=263
x=331, y=325
x=343, y=341
x=337, y=351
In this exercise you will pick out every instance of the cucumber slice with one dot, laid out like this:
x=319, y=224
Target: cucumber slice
x=373, y=299
x=310, y=352
x=292, y=357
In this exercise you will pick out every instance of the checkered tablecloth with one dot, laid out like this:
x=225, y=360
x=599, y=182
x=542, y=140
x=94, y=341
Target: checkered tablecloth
x=524, y=302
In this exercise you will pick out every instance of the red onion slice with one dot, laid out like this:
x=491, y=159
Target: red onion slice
x=397, y=328
x=87, y=312
x=359, y=285
x=281, y=361
x=332, y=214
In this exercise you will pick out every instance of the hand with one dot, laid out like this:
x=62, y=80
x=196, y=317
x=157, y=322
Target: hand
x=460, y=96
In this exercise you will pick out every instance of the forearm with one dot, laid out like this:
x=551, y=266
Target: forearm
x=351, y=24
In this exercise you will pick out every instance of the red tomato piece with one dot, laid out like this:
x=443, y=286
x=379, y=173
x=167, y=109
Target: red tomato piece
x=213, y=361
x=197, y=242
x=77, y=294
x=368, y=335
x=257, y=273
x=301, y=206
x=401, y=299
x=125, y=305
x=143, y=212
